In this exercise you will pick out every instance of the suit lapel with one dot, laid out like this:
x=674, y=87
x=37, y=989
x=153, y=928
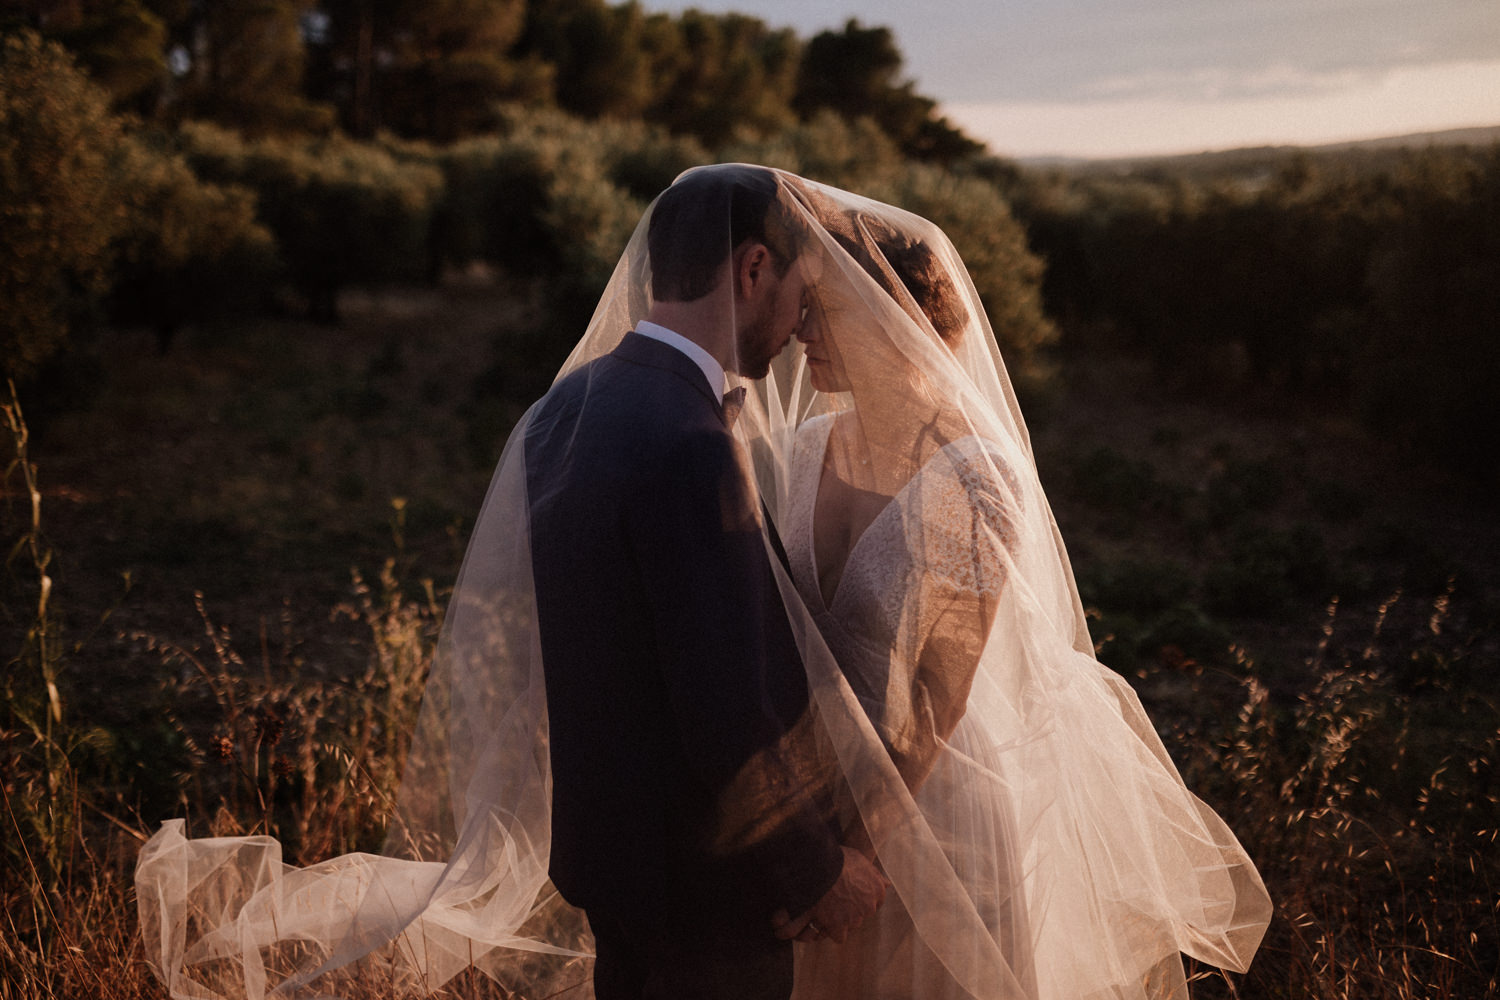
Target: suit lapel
x=640, y=350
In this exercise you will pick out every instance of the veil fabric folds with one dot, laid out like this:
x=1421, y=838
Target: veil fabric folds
x=1038, y=839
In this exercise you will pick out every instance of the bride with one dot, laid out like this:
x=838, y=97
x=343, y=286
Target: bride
x=1037, y=839
x=1069, y=859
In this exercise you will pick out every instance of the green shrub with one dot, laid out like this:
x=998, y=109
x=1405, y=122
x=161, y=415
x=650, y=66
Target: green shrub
x=543, y=199
x=856, y=156
x=60, y=207
x=192, y=249
x=342, y=212
x=1006, y=274
x=647, y=166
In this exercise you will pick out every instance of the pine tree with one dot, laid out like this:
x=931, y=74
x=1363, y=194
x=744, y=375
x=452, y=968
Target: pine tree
x=246, y=63
x=426, y=68
x=857, y=73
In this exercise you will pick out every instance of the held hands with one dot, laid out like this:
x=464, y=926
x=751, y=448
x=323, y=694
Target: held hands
x=860, y=889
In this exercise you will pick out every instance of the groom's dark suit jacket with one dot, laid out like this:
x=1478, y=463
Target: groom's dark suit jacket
x=669, y=661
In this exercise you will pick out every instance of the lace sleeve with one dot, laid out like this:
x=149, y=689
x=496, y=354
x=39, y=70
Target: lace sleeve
x=969, y=535
x=975, y=539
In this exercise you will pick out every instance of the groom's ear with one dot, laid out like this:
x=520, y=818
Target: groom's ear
x=753, y=264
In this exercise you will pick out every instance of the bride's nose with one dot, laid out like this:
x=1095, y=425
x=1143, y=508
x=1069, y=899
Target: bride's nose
x=807, y=327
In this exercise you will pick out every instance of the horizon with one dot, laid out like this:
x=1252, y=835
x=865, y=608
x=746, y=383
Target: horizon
x=1436, y=136
x=1114, y=79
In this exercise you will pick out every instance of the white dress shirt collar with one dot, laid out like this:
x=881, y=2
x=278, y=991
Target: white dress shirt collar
x=712, y=370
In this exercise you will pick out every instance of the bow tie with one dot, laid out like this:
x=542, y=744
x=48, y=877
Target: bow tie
x=733, y=403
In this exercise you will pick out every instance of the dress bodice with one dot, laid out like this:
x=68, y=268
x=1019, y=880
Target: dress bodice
x=949, y=531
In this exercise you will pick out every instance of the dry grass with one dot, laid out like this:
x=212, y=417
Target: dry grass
x=266, y=748
x=1372, y=812
x=1359, y=773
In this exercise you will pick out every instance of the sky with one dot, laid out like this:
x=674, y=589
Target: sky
x=1106, y=78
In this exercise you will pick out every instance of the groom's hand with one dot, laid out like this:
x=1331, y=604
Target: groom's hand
x=860, y=889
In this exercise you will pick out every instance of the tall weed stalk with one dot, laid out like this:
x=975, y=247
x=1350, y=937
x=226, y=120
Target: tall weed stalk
x=66, y=920
x=298, y=751
x=1370, y=804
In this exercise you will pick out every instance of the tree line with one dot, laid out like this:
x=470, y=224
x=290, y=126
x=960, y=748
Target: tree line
x=1365, y=280
x=443, y=70
x=167, y=173
x=109, y=220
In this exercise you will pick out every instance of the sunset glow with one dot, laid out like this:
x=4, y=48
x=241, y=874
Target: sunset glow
x=1407, y=100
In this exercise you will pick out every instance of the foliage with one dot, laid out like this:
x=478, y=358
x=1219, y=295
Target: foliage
x=1430, y=379
x=550, y=196
x=725, y=72
x=1359, y=775
x=699, y=74
x=245, y=68
x=59, y=208
x=851, y=155
x=121, y=44
x=856, y=74
x=1371, y=809
x=341, y=211
x=441, y=71
x=1368, y=283
x=993, y=246
x=42, y=748
x=429, y=70
x=312, y=760
x=191, y=250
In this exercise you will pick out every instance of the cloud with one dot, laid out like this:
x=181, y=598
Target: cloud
x=1399, y=102
x=1083, y=50
x=1088, y=49
x=1218, y=83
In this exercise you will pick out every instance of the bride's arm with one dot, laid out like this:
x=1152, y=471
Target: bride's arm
x=940, y=685
x=969, y=553
x=939, y=693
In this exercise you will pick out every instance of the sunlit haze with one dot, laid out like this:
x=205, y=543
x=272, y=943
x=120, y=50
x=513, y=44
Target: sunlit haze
x=1401, y=102
x=1103, y=78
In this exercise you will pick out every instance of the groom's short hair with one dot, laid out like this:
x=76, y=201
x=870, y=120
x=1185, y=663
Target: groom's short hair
x=708, y=213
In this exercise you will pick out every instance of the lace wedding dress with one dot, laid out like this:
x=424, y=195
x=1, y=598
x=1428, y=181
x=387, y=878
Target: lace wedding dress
x=1081, y=856
x=944, y=531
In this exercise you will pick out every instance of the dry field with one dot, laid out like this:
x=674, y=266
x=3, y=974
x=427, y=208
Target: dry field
x=248, y=541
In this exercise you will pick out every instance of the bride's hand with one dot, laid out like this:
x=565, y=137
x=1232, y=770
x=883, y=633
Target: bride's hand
x=858, y=892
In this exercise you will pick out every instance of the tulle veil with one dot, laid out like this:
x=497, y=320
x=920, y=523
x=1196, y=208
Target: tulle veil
x=1116, y=869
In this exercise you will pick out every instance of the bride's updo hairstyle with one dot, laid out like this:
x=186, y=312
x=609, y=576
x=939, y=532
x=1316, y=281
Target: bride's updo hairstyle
x=907, y=268
x=927, y=281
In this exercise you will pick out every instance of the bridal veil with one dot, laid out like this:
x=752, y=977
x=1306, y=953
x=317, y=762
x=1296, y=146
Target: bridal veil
x=1114, y=867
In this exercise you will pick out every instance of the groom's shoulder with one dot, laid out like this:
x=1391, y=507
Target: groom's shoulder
x=621, y=398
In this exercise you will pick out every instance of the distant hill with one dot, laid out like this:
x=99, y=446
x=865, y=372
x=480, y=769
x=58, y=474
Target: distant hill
x=1246, y=156
x=1481, y=136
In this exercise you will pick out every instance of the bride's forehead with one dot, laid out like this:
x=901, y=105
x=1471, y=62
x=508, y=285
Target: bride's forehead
x=811, y=263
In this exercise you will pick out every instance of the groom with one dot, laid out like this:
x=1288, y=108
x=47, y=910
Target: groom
x=673, y=680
